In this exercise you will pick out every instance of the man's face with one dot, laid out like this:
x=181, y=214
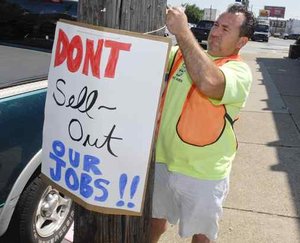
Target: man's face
x=224, y=39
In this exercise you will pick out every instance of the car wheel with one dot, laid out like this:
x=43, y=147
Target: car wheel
x=45, y=214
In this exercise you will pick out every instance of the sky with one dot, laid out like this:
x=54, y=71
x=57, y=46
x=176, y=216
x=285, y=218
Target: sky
x=292, y=7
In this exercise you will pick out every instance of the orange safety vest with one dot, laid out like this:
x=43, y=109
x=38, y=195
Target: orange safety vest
x=201, y=123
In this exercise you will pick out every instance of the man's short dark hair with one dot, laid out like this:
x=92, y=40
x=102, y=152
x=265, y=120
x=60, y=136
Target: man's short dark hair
x=247, y=28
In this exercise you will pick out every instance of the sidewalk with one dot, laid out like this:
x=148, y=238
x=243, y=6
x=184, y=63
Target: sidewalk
x=264, y=200
x=264, y=203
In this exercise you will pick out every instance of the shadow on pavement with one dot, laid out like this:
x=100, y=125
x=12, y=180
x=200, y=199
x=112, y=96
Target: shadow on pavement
x=285, y=74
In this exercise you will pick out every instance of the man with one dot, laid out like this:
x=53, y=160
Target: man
x=196, y=142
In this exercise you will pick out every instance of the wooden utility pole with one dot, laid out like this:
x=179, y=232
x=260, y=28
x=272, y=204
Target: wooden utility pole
x=139, y=16
x=133, y=15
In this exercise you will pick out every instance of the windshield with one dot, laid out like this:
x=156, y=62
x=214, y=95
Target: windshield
x=262, y=28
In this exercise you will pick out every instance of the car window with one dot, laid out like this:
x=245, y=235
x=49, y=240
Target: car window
x=47, y=6
x=27, y=30
x=205, y=24
x=262, y=28
x=22, y=65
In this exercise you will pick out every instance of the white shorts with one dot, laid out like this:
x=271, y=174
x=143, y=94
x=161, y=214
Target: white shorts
x=195, y=203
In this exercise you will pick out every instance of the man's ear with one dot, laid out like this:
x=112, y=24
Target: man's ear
x=242, y=41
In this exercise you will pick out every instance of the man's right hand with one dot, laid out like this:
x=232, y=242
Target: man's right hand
x=176, y=21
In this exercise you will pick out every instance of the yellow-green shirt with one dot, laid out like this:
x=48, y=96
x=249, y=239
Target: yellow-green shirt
x=212, y=162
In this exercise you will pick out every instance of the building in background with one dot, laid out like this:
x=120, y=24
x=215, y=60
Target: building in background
x=277, y=27
x=210, y=14
x=276, y=19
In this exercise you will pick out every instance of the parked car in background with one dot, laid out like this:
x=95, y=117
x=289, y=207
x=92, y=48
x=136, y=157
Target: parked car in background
x=31, y=210
x=202, y=29
x=29, y=22
x=261, y=29
x=291, y=36
x=277, y=35
x=292, y=29
x=284, y=36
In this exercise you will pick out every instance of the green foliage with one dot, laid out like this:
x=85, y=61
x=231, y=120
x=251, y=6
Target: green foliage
x=193, y=13
x=246, y=3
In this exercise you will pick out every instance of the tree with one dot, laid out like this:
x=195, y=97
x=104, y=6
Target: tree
x=194, y=14
x=245, y=3
x=139, y=16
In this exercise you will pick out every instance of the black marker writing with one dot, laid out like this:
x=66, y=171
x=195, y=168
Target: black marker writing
x=84, y=102
x=76, y=133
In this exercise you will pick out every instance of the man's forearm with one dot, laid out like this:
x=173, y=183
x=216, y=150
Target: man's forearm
x=206, y=75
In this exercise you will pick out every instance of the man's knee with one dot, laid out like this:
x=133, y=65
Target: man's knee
x=200, y=238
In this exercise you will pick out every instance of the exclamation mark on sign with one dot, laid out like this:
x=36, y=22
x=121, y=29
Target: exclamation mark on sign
x=122, y=185
x=133, y=188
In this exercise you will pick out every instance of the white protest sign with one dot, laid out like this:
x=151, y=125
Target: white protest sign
x=103, y=93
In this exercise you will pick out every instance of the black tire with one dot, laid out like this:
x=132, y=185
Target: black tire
x=35, y=222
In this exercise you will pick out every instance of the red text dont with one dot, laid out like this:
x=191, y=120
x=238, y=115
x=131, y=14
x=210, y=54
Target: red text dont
x=75, y=51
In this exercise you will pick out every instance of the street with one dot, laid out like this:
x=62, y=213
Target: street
x=275, y=45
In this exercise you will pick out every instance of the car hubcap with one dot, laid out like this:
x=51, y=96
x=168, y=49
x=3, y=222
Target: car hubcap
x=52, y=212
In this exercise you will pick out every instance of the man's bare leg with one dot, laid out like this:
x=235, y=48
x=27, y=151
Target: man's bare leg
x=158, y=227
